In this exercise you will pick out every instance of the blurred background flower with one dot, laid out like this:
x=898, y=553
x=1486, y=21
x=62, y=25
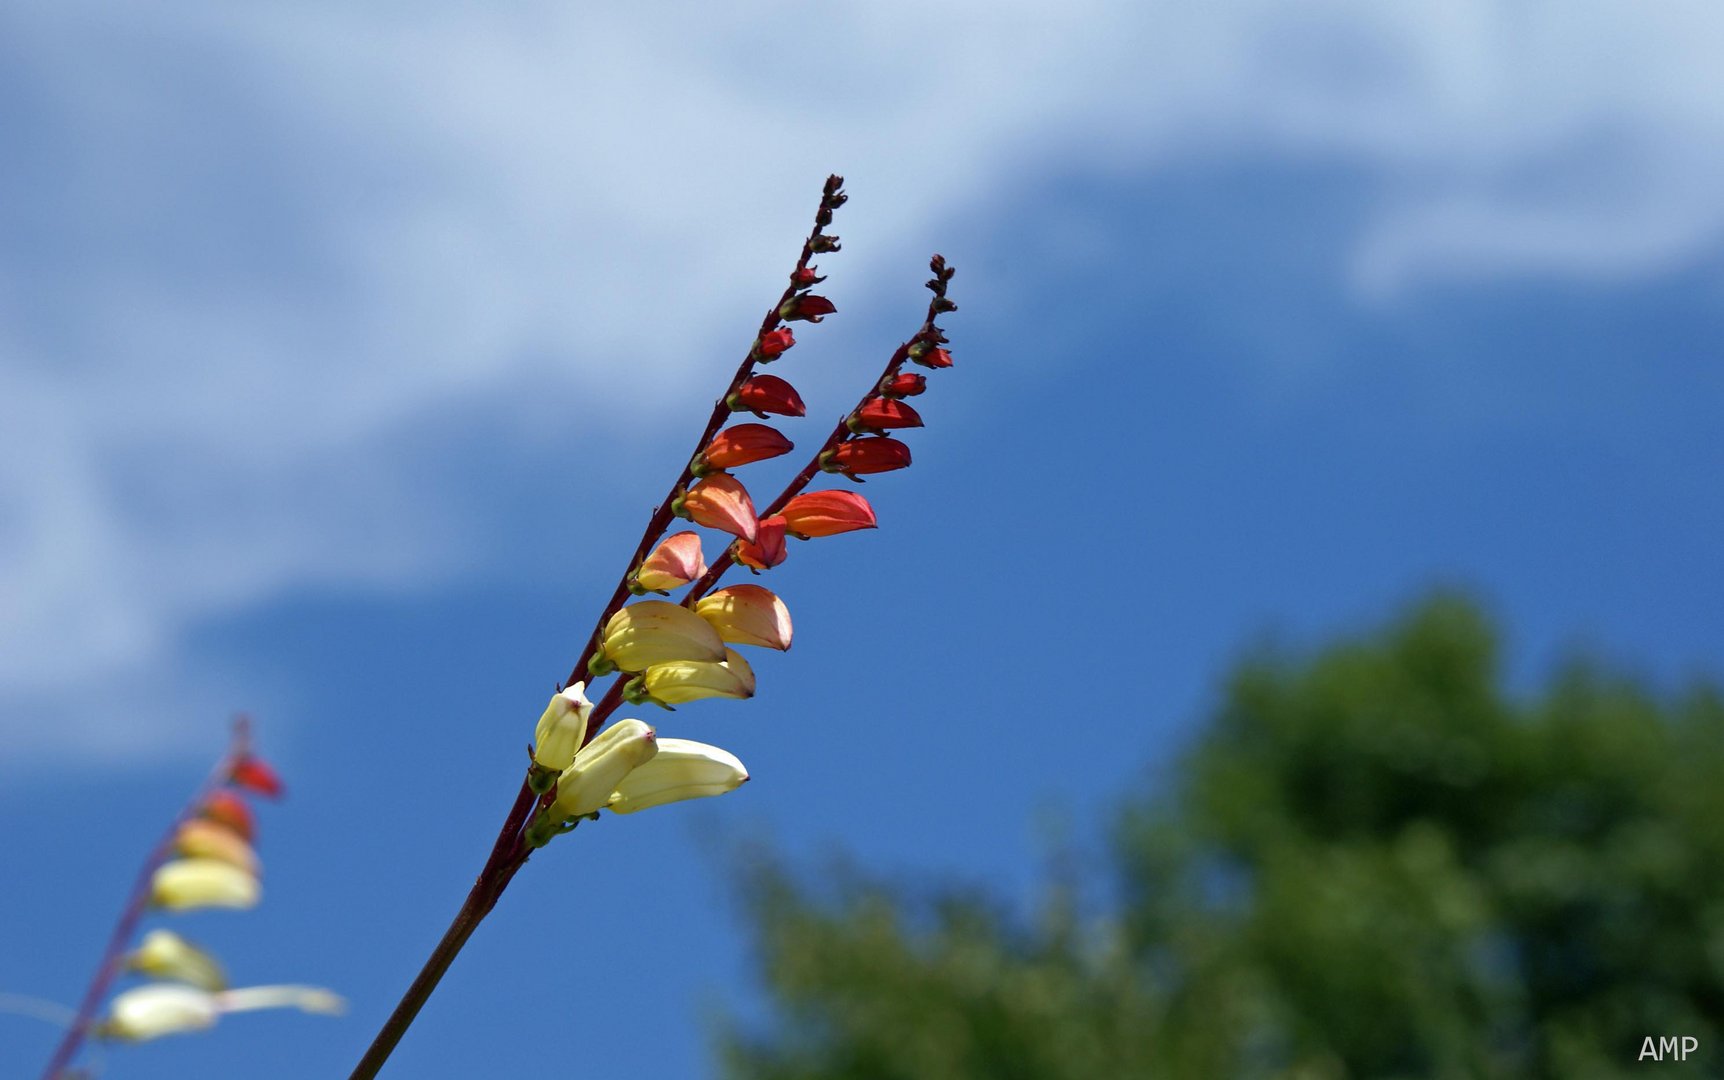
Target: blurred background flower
x=342, y=352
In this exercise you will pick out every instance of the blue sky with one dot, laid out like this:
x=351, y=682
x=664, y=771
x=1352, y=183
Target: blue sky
x=343, y=353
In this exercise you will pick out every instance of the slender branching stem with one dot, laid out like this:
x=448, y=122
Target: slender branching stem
x=125, y=927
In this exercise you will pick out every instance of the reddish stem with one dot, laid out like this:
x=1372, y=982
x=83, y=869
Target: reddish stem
x=113, y=957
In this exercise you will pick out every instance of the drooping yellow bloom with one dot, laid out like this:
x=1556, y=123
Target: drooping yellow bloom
x=186, y=884
x=205, y=839
x=149, y=1012
x=658, y=632
x=691, y=680
x=163, y=954
x=601, y=765
x=682, y=769
x=562, y=727
x=747, y=615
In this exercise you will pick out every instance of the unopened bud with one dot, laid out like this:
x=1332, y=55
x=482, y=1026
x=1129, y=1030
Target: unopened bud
x=882, y=413
x=764, y=394
x=773, y=343
x=562, y=727
x=806, y=307
x=859, y=456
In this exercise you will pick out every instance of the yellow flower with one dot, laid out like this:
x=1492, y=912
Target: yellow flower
x=657, y=632
x=692, y=680
x=601, y=765
x=163, y=954
x=561, y=728
x=682, y=769
x=186, y=884
x=747, y=615
x=149, y=1012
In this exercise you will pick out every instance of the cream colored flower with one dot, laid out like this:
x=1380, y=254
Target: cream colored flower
x=586, y=785
x=149, y=1012
x=658, y=632
x=163, y=954
x=562, y=727
x=186, y=884
x=688, y=680
x=682, y=769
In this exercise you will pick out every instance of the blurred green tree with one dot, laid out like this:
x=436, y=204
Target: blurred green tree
x=1375, y=863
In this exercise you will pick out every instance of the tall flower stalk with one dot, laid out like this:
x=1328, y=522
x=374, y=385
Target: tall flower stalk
x=204, y=860
x=667, y=652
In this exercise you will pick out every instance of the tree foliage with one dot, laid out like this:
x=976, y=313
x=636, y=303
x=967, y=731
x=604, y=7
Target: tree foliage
x=1376, y=862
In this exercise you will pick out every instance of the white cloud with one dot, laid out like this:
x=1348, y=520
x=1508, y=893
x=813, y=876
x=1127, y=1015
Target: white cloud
x=248, y=247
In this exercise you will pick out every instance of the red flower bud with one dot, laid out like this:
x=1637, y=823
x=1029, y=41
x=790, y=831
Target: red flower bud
x=229, y=810
x=827, y=513
x=744, y=443
x=878, y=414
x=768, y=549
x=768, y=394
x=908, y=384
x=720, y=502
x=255, y=774
x=774, y=342
x=807, y=307
x=867, y=456
x=805, y=277
x=934, y=358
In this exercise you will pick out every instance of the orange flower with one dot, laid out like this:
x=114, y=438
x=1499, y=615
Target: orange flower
x=743, y=444
x=226, y=808
x=827, y=513
x=768, y=548
x=720, y=502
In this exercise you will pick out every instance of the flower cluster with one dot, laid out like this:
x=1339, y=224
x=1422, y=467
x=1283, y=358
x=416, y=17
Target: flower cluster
x=668, y=652
x=207, y=862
